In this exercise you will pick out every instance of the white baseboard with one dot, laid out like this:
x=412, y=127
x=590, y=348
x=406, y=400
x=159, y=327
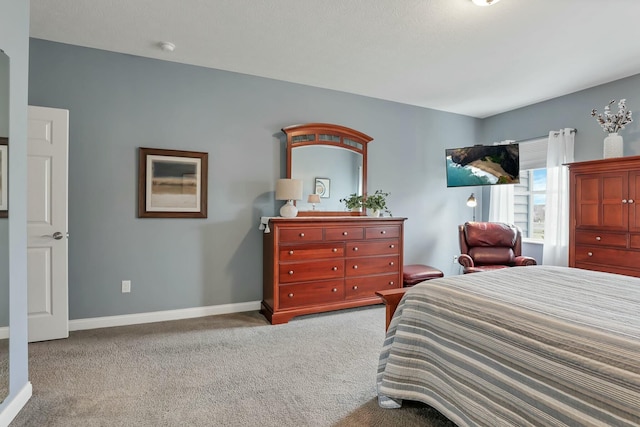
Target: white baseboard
x=15, y=405
x=4, y=332
x=161, y=316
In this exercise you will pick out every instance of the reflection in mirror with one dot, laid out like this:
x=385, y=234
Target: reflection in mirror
x=4, y=231
x=340, y=169
x=331, y=160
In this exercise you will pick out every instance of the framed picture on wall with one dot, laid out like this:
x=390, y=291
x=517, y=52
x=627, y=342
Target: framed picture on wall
x=4, y=177
x=323, y=187
x=172, y=183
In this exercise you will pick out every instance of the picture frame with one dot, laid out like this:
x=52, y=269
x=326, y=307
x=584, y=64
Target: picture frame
x=323, y=187
x=4, y=177
x=172, y=183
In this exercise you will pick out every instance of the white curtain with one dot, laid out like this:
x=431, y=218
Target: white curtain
x=501, y=204
x=556, y=222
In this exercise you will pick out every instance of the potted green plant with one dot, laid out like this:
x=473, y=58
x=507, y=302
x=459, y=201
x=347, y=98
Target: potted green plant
x=353, y=202
x=377, y=203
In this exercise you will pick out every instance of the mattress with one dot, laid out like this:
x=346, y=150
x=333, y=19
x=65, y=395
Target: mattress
x=536, y=345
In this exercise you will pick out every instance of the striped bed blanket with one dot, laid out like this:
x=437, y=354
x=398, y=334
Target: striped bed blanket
x=523, y=346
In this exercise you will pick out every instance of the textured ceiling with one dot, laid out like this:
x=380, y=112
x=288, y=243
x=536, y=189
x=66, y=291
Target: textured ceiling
x=445, y=54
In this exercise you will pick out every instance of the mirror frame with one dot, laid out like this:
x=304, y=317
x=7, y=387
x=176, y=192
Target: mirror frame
x=315, y=134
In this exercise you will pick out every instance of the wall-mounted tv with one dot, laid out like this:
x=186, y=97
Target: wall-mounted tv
x=483, y=165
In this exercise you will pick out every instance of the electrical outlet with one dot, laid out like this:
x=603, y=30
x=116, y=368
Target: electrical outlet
x=126, y=286
x=455, y=259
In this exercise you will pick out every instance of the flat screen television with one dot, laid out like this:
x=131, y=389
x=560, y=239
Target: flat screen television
x=483, y=165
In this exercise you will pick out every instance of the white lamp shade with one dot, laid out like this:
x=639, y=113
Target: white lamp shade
x=471, y=201
x=289, y=189
x=313, y=198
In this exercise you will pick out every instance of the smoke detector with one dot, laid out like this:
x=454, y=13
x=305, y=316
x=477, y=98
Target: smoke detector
x=167, y=46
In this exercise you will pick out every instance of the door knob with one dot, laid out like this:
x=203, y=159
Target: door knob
x=57, y=235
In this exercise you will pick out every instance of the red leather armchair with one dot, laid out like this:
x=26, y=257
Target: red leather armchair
x=488, y=246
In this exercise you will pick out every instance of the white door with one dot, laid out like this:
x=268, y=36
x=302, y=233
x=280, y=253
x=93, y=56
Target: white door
x=47, y=245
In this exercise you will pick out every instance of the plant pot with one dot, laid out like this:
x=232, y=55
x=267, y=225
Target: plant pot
x=613, y=146
x=374, y=213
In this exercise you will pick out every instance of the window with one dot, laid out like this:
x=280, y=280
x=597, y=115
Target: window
x=529, y=203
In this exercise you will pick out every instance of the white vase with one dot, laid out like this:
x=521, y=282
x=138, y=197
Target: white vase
x=374, y=213
x=613, y=146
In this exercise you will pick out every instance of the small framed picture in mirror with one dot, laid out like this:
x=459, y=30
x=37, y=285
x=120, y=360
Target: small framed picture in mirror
x=323, y=187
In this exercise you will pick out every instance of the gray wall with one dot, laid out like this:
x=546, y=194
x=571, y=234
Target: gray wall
x=4, y=223
x=119, y=102
x=14, y=33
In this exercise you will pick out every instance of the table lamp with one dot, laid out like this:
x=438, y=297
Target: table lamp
x=289, y=190
x=313, y=199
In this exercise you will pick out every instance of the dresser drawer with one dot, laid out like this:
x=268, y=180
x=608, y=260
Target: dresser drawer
x=607, y=256
x=311, y=251
x=601, y=239
x=344, y=233
x=373, y=265
x=363, y=287
x=314, y=270
x=300, y=234
x=366, y=248
x=383, y=232
x=304, y=294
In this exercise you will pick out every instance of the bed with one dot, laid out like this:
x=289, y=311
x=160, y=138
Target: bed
x=535, y=345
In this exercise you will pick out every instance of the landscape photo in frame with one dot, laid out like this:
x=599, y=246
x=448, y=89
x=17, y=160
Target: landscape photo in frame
x=172, y=184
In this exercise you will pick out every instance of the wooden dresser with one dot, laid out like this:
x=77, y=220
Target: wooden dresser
x=604, y=219
x=312, y=264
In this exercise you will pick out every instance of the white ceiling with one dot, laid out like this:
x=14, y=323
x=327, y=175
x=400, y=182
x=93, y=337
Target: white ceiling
x=445, y=54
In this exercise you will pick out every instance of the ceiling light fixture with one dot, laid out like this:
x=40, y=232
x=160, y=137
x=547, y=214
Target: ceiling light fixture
x=484, y=2
x=167, y=46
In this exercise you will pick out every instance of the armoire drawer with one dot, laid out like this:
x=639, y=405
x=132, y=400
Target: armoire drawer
x=310, y=293
x=362, y=287
x=372, y=265
x=311, y=270
x=601, y=239
x=367, y=248
x=607, y=256
x=311, y=251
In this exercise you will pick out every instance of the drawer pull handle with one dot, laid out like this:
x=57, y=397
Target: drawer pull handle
x=383, y=232
x=355, y=249
x=590, y=253
x=392, y=246
x=344, y=233
x=290, y=295
x=630, y=200
x=355, y=288
x=334, y=290
x=335, y=268
x=290, y=272
x=391, y=263
x=334, y=250
x=598, y=238
x=391, y=283
x=301, y=234
x=624, y=201
x=355, y=267
x=290, y=252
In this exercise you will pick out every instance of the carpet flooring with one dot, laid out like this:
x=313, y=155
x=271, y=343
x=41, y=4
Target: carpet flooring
x=228, y=370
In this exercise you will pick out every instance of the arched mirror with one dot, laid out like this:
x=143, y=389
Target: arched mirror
x=331, y=161
x=4, y=226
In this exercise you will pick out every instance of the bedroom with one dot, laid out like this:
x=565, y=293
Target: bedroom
x=120, y=102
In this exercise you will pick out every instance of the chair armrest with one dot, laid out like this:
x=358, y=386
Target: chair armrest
x=525, y=260
x=391, y=298
x=465, y=260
